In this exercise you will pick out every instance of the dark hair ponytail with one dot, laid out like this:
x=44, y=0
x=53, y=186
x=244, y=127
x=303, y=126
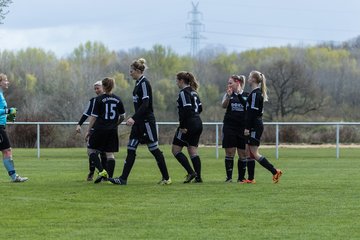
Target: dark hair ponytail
x=189, y=79
x=108, y=84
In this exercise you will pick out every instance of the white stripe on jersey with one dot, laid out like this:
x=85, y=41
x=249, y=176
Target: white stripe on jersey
x=179, y=135
x=253, y=100
x=149, y=132
x=92, y=110
x=145, y=93
x=183, y=99
x=140, y=79
x=87, y=109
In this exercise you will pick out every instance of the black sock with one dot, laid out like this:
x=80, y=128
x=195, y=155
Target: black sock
x=129, y=162
x=229, y=165
x=103, y=160
x=182, y=159
x=91, y=165
x=197, y=166
x=159, y=156
x=95, y=159
x=110, y=166
x=251, y=169
x=242, y=168
x=266, y=164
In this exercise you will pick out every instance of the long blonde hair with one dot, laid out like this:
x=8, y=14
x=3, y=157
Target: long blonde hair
x=261, y=80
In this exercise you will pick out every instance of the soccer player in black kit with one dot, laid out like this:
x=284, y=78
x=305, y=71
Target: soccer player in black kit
x=190, y=126
x=143, y=126
x=233, y=130
x=107, y=113
x=98, y=90
x=254, y=124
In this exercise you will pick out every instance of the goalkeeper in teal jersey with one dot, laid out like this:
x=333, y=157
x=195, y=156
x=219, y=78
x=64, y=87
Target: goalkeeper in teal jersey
x=7, y=114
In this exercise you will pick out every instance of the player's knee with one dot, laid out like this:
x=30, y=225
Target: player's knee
x=110, y=155
x=91, y=151
x=153, y=146
x=175, y=152
x=155, y=151
x=131, y=152
x=132, y=145
x=7, y=153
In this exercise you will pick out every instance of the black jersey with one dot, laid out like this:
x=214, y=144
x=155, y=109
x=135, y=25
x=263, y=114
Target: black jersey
x=189, y=106
x=143, y=94
x=107, y=110
x=254, y=108
x=235, y=111
x=87, y=111
x=89, y=107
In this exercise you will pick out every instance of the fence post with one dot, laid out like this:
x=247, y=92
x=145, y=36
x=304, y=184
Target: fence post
x=217, y=141
x=38, y=139
x=337, y=141
x=277, y=141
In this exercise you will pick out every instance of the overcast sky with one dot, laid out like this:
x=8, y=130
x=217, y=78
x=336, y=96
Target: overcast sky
x=60, y=26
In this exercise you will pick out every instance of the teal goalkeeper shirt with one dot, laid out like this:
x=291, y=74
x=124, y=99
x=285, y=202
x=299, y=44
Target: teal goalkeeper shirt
x=3, y=105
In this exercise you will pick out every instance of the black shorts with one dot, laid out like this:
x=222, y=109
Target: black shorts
x=191, y=138
x=4, y=140
x=233, y=137
x=145, y=132
x=255, y=135
x=104, y=140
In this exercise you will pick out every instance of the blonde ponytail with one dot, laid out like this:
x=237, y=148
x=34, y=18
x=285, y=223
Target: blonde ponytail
x=261, y=80
x=264, y=87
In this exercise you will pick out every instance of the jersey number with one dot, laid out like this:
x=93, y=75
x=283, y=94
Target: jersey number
x=196, y=105
x=110, y=112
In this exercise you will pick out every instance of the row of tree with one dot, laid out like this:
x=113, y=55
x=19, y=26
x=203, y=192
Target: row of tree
x=313, y=83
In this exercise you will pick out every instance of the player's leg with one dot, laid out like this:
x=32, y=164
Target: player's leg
x=229, y=143
x=177, y=146
x=129, y=162
x=193, y=137
x=242, y=163
x=160, y=160
x=133, y=143
x=112, y=145
x=103, y=159
x=90, y=175
x=247, y=161
x=94, y=156
x=195, y=159
x=229, y=162
x=254, y=150
x=110, y=166
x=7, y=157
x=153, y=147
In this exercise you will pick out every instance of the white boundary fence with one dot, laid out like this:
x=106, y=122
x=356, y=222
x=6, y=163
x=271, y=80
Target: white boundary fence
x=217, y=126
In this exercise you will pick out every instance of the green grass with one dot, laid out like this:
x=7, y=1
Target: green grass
x=317, y=198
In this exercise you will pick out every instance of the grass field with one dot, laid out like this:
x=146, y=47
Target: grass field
x=317, y=198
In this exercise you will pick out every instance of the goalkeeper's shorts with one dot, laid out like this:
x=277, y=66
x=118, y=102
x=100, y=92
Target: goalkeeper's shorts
x=4, y=140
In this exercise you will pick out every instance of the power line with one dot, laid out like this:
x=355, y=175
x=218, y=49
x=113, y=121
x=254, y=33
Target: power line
x=284, y=26
x=268, y=37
